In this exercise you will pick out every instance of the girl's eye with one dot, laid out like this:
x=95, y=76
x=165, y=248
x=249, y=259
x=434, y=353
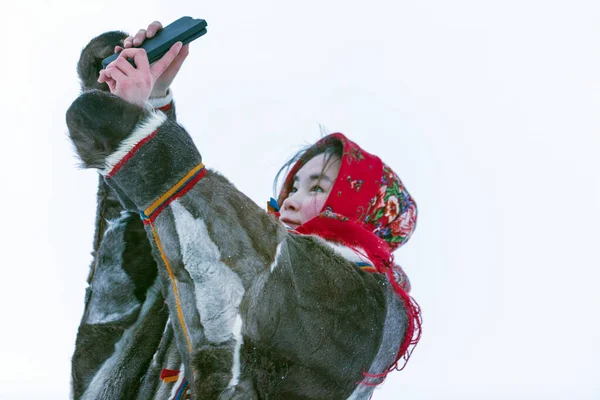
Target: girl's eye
x=294, y=190
x=317, y=189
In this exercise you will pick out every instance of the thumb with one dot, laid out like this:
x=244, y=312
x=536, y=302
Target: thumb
x=161, y=65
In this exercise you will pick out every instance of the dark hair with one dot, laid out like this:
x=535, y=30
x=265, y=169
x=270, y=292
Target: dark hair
x=330, y=148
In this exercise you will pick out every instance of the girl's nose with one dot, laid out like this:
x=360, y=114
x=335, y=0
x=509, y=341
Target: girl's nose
x=290, y=204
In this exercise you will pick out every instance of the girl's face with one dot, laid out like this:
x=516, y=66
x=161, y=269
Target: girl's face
x=312, y=185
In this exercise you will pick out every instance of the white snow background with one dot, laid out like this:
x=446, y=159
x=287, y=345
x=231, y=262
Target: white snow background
x=488, y=110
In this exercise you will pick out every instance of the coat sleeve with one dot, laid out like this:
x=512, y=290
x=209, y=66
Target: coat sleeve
x=257, y=312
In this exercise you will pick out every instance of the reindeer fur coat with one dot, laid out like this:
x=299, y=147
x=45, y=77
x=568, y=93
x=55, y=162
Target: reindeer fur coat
x=207, y=295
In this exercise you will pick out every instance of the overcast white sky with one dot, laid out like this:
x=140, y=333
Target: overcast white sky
x=488, y=110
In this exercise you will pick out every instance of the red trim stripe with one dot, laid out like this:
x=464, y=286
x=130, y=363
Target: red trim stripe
x=180, y=193
x=128, y=156
x=167, y=373
x=165, y=108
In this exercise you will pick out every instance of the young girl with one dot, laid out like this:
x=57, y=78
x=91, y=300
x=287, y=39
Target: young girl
x=310, y=305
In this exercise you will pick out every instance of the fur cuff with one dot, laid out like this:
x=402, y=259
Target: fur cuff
x=139, y=135
x=161, y=102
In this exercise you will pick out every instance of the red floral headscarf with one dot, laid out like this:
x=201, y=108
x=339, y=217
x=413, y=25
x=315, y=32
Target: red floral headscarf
x=366, y=191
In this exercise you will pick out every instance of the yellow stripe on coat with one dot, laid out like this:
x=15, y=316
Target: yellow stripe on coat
x=171, y=191
x=175, y=290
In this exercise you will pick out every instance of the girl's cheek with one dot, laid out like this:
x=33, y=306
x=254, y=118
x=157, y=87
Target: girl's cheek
x=319, y=203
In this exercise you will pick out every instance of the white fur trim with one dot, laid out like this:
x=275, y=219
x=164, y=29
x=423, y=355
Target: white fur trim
x=237, y=335
x=218, y=289
x=112, y=224
x=349, y=253
x=167, y=326
x=158, y=102
x=178, y=382
x=277, y=254
x=141, y=131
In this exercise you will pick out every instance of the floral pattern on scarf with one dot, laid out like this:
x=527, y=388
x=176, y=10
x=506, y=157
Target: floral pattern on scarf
x=392, y=212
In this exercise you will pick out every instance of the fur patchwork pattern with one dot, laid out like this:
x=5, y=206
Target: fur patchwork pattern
x=268, y=313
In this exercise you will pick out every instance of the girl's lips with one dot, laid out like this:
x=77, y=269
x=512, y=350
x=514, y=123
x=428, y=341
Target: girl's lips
x=289, y=223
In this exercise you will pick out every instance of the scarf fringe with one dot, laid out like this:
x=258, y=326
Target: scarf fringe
x=413, y=332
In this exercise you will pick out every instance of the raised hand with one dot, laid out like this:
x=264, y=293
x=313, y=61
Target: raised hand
x=135, y=84
x=164, y=81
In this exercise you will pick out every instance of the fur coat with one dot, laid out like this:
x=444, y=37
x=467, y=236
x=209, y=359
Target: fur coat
x=196, y=291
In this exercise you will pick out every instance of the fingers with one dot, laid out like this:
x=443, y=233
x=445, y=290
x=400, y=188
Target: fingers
x=118, y=49
x=112, y=84
x=139, y=37
x=105, y=78
x=153, y=28
x=135, y=41
x=128, y=42
x=111, y=73
x=102, y=77
x=123, y=65
x=140, y=58
x=161, y=65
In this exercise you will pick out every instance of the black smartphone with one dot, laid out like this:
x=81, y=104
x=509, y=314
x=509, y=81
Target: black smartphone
x=185, y=30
